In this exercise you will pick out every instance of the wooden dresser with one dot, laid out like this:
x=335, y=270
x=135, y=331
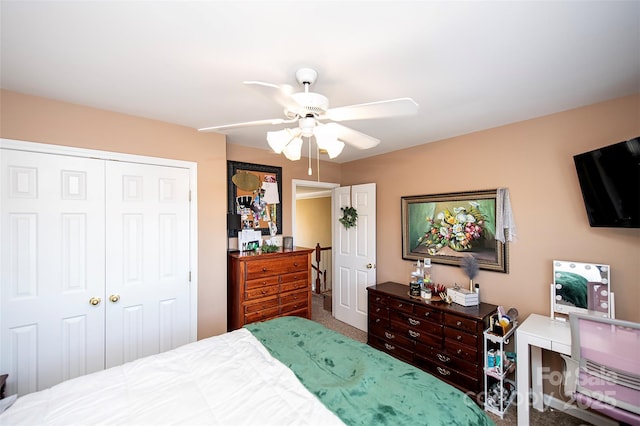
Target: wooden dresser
x=444, y=340
x=270, y=285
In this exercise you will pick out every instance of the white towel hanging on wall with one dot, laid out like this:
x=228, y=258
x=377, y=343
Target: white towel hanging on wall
x=505, y=225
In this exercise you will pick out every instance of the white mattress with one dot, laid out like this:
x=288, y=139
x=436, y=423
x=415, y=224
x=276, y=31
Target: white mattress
x=224, y=380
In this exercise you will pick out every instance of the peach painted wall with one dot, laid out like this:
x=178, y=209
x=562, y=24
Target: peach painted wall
x=42, y=120
x=534, y=159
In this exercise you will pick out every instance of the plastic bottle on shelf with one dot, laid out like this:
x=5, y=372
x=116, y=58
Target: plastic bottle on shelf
x=426, y=270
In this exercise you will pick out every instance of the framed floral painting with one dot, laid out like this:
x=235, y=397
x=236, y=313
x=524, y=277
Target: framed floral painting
x=447, y=227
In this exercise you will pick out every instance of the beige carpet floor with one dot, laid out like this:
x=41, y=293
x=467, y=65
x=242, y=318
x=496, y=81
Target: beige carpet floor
x=550, y=417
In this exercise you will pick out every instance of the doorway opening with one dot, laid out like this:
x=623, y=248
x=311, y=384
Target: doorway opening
x=312, y=227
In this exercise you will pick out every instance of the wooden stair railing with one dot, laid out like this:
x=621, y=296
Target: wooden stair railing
x=321, y=275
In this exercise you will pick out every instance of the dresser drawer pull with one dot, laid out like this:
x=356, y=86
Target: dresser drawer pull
x=378, y=320
x=264, y=269
x=378, y=299
x=378, y=310
x=458, y=337
x=389, y=335
x=443, y=358
x=399, y=305
x=459, y=323
x=426, y=314
x=414, y=333
x=414, y=322
x=459, y=351
x=443, y=371
x=295, y=264
x=389, y=347
x=264, y=291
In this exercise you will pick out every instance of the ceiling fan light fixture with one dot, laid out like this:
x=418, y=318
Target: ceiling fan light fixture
x=335, y=148
x=278, y=140
x=293, y=151
x=327, y=140
x=307, y=126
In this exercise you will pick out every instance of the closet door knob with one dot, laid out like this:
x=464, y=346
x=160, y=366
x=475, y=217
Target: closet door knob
x=114, y=298
x=95, y=301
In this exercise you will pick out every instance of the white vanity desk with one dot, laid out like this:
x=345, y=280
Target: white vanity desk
x=539, y=332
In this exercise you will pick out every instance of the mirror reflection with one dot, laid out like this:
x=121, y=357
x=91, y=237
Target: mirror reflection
x=581, y=287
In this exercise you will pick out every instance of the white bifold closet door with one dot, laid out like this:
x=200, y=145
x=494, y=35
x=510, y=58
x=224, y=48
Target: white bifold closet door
x=94, y=266
x=147, y=270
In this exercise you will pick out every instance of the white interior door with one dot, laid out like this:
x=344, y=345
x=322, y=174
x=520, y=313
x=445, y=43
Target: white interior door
x=52, y=264
x=354, y=252
x=147, y=260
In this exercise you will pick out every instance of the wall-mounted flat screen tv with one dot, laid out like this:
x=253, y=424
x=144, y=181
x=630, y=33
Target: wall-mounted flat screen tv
x=610, y=182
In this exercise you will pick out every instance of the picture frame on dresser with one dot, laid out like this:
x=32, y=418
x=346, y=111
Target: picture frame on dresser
x=449, y=226
x=233, y=192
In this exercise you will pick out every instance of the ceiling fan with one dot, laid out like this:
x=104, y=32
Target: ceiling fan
x=310, y=110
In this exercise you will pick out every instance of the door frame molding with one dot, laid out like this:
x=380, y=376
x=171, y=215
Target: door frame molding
x=141, y=159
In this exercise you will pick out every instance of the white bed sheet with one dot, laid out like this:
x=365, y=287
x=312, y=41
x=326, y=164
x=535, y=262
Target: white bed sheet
x=229, y=379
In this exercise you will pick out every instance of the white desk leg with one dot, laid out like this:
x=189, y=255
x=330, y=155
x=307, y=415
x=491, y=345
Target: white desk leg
x=536, y=378
x=522, y=379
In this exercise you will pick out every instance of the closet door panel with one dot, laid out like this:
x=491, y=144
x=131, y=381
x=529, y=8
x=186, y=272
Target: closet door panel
x=147, y=260
x=52, y=264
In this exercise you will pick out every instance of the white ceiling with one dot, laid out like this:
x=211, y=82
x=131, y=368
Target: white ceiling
x=469, y=65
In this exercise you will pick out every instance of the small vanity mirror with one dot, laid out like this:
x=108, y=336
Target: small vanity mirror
x=581, y=287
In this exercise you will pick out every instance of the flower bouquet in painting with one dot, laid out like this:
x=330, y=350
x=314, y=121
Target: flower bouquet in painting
x=458, y=228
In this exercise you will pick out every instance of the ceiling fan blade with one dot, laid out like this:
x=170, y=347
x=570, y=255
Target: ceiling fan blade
x=247, y=124
x=353, y=137
x=389, y=108
x=281, y=93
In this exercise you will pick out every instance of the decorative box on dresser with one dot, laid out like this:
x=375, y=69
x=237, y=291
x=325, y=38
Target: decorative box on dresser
x=444, y=340
x=261, y=286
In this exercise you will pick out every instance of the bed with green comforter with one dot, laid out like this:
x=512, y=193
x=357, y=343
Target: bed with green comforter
x=360, y=384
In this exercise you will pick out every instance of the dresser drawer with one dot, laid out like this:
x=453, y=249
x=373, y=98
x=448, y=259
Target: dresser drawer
x=415, y=323
x=455, y=335
x=462, y=351
x=261, y=282
x=428, y=313
x=418, y=334
x=453, y=376
x=304, y=312
x=379, y=299
x=466, y=324
x=261, y=315
x=400, y=305
x=259, y=292
x=293, y=277
x=446, y=360
x=378, y=321
x=296, y=297
x=390, y=348
x=261, y=304
x=376, y=310
x=294, y=285
x=276, y=266
x=398, y=338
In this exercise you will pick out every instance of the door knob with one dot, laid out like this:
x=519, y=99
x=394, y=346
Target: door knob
x=370, y=266
x=114, y=298
x=95, y=301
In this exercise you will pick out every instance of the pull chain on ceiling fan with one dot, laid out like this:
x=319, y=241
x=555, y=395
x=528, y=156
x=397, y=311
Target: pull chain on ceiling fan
x=310, y=109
